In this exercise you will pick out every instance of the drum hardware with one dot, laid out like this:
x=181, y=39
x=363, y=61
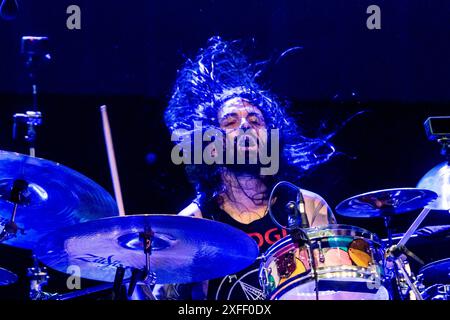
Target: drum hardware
x=144, y=277
x=437, y=292
x=300, y=237
x=38, y=278
x=265, y=281
x=402, y=272
x=438, y=129
x=36, y=55
x=7, y=277
x=313, y=264
x=321, y=255
x=385, y=204
x=32, y=120
x=115, y=287
x=400, y=248
x=433, y=280
x=85, y=292
x=18, y=196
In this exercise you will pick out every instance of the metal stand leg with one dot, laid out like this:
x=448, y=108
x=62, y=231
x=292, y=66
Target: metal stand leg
x=411, y=285
x=144, y=279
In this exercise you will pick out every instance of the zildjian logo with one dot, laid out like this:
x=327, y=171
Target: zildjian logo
x=106, y=262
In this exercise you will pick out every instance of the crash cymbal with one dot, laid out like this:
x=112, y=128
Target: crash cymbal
x=7, y=277
x=437, y=272
x=385, y=202
x=438, y=180
x=54, y=196
x=185, y=249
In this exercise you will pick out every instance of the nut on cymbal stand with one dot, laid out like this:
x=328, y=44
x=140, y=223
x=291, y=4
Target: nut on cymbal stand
x=144, y=279
x=36, y=54
x=18, y=196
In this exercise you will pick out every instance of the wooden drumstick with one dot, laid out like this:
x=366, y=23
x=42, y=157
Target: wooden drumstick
x=112, y=160
x=413, y=227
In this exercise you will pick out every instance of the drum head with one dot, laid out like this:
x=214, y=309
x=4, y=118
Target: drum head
x=348, y=261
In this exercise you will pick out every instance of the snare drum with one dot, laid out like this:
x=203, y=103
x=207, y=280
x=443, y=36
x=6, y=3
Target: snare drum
x=349, y=263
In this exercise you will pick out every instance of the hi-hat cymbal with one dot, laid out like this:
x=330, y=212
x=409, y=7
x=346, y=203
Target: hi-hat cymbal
x=56, y=196
x=185, y=249
x=385, y=202
x=7, y=277
x=438, y=180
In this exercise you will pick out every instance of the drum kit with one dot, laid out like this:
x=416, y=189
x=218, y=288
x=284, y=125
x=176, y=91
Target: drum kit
x=71, y=223
x=68, y=220
x=342, y=262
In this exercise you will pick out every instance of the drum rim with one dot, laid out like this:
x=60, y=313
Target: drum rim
x=314, y=230
x=309, y=277
x=432, y=264
x=361, y=273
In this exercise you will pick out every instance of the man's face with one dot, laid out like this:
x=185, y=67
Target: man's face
x=238, y=115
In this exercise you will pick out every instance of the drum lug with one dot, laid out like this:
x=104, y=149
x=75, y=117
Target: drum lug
x=321, y=255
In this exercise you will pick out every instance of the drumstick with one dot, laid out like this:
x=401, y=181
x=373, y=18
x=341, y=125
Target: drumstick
x=414, y=227
x=112, y=160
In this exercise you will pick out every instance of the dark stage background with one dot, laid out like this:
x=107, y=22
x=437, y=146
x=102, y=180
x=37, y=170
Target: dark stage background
x=126, y=56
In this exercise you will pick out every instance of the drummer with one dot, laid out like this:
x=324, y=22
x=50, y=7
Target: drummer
x=218, y=90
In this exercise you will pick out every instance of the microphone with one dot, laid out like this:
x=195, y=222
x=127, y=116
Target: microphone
x=9, y=9
x=302, y=209
x=296, y=210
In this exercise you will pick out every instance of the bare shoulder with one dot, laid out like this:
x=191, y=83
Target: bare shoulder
x=318, y=211
x=192, y=210
x=314, y=198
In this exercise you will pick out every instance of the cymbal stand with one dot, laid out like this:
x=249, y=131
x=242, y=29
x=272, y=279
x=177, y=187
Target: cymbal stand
x=445, y=151
x=32, y=120
x=38, y=278
x=145, y=279
x=36, y=54
x=394, y=252
x=401, y=273
x=115, y=286
x=387, y=224
x=18, y=197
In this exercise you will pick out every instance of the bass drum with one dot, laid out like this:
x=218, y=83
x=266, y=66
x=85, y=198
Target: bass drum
x=348, y=260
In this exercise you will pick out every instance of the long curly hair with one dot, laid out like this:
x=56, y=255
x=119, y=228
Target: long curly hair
x=223, y=71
